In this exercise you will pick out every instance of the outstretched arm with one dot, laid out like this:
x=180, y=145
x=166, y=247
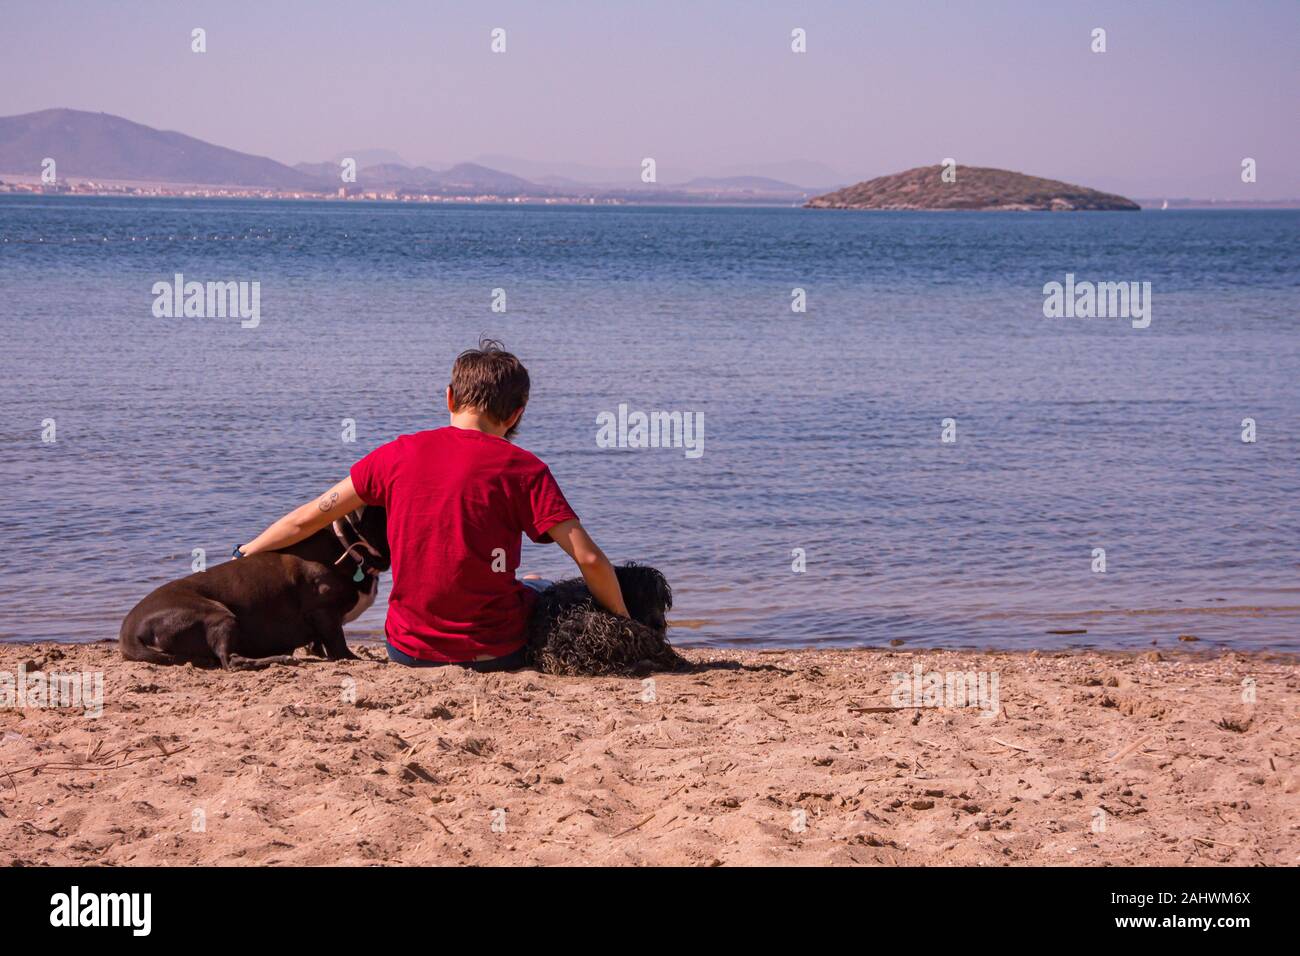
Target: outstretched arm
x=304, y=521
x=591, y=561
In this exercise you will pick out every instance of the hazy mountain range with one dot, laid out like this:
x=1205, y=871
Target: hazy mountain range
x=805, y=174
x=100, y=146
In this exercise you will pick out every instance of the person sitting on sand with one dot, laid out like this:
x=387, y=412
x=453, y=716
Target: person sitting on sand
x=458, y=499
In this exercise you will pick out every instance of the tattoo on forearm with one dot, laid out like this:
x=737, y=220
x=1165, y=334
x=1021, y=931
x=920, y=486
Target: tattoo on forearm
x=327, y=502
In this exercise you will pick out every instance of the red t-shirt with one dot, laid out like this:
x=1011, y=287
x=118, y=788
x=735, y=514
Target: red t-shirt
x=458, y=500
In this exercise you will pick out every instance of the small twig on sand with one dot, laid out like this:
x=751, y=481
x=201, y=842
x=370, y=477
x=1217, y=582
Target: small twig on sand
x=439, y=822
x=637, y=826
x=1234, y=846
x=59, y=765
x=1009, y=746
x=1131, y=747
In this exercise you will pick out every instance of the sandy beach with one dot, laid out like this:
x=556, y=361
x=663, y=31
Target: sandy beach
x=785, y=757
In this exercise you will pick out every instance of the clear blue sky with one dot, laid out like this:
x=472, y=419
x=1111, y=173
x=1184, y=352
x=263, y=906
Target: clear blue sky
x=1185, y=91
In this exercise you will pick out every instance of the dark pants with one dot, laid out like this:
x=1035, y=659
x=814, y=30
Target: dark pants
x=508, y=663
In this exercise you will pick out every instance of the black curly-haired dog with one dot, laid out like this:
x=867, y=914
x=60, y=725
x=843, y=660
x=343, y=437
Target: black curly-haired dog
x=569, y=634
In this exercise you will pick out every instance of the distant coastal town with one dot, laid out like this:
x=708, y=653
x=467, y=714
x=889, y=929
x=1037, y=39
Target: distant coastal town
x=91, y=187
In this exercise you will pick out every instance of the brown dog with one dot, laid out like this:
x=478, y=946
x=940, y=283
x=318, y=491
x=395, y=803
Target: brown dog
x=255, y=611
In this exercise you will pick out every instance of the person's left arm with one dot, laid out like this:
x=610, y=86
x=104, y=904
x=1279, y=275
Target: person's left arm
x=304, y=521
x=602, y=581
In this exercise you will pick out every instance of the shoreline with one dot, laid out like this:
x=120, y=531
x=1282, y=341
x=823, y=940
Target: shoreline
x=1177, y=651
x=1172, y=650
x=752, y=757
x=572, y=202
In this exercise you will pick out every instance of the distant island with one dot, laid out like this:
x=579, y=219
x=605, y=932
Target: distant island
x=975, y=188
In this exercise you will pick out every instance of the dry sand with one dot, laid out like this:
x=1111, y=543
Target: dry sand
x=754, y=758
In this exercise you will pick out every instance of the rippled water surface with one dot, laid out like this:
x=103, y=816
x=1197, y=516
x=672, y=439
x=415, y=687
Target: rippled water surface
x=822, y=430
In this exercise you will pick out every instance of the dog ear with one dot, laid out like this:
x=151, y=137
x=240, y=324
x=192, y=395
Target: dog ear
x=666, y=592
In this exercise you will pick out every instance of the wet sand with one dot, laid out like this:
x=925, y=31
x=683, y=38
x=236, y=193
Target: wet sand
x=787, y=757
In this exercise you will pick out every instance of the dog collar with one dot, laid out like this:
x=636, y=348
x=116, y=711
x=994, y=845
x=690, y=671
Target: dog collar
x=341, y=528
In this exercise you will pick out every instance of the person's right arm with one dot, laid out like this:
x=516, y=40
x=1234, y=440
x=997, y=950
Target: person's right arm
x=306, y=520
x=591, y=561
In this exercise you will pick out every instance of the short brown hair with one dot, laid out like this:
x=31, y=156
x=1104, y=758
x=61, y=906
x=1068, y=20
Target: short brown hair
x=490, y=379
